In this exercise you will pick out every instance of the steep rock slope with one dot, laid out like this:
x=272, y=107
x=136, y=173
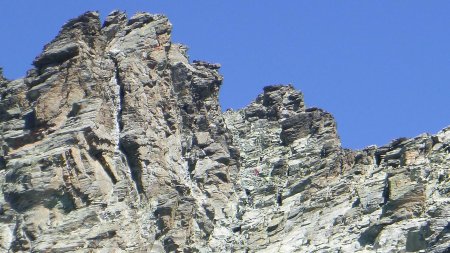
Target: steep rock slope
x=115, y=142
x=108, y=143
x=307, y=194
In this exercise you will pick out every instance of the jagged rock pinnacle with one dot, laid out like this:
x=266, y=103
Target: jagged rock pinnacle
x=115, y=142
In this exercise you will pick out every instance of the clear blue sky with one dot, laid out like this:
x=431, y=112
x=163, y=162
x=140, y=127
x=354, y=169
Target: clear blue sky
x=382, y=68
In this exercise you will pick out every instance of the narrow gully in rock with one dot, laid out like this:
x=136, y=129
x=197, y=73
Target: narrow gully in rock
x=130, y=157
x=121, y=93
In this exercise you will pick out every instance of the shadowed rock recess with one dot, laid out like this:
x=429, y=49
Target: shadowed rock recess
x=115, y=142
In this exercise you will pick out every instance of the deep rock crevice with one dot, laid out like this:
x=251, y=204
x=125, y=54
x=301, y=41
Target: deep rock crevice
x=126, y=146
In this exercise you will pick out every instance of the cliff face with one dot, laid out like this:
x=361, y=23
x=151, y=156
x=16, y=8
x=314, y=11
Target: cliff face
x=115, y=142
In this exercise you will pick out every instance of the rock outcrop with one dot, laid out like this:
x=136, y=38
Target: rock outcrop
x=307, y=194
x=116, y=142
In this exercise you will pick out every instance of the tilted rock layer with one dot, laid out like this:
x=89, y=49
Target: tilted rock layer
x=115, y=142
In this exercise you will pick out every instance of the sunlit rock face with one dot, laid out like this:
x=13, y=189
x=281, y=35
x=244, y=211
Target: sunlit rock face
x=116, y=142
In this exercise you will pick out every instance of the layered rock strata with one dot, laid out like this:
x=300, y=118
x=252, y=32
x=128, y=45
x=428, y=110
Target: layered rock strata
x=304, y=193
x=116, y=142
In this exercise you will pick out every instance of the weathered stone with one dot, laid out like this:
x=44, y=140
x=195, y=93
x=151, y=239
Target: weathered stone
x=115, y=142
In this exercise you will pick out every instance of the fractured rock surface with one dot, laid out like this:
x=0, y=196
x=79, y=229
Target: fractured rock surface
x=304, y=193
x=116, y=142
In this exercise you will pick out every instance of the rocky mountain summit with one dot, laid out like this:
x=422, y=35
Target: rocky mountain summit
x=116, y=142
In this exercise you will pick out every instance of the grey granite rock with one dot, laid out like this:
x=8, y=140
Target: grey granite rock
x=115, y=142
